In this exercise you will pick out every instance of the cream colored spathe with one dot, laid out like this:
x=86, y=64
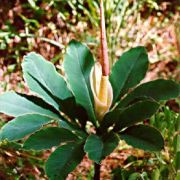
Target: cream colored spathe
x=102, y=91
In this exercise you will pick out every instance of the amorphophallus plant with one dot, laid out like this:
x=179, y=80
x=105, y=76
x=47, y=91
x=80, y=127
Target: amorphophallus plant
x=99, y=77
x=113, y=102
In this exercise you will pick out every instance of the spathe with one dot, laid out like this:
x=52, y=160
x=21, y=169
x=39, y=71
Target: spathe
x=102, y=91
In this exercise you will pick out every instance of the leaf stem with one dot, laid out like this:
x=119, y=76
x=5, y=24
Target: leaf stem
x=97, y=171
x=104, y=49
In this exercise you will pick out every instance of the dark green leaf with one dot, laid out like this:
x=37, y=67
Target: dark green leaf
x=143, y=137
x=110, y=118
x=77, y=64
x=49, y=137
x=68, y=125
x=134, y=114
x=98, y=148
x=110, y=142
x=22, y=126
x=50, y=86
x=42, y=78
x=94, y=147
x=72, y=127
x=128, y=71
x=14, y=104
x=64, y=160
x=158, y=90
x=74, y=111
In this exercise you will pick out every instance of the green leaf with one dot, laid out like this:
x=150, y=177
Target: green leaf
x=143, y=137
x=98, y=147
x=77, y=65
x=22, y=126
x=128, y=71
x=135, y=113
x=49, y=137
x=73, y=127
x=74, y=111
x=158, y=90
x=177, y=161
x=134, y=176
x=94, y=147
x=42, y=78
x=14, y=104
x=110, y=118
x=64, y=160
x=50, y=86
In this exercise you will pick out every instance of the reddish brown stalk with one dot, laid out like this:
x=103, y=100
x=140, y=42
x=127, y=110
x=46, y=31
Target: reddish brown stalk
x=104, y=49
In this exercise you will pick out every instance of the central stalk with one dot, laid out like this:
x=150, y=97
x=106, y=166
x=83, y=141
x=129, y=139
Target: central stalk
x=104, y=49
x=99, y=77
x=103, y=92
